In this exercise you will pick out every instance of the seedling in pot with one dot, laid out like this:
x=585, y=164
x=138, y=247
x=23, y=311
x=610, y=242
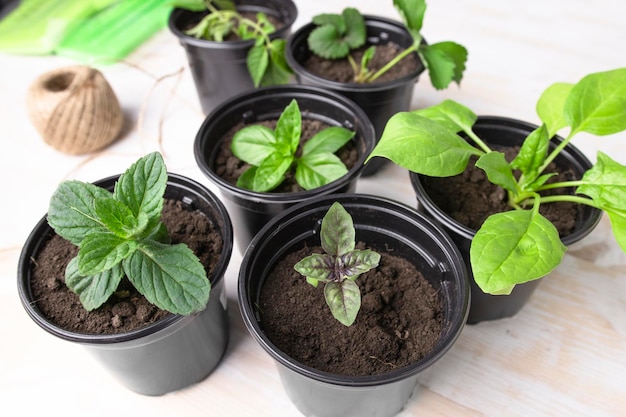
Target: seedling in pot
x=272, y=153
x=338, y=35
x=521, y=245
x=340, y=266
x=121, y=234
x=266, y=59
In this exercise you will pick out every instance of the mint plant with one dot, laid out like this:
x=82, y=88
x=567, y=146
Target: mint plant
x=521, y=245
x=337, y=35
x=266, y=59
x=121, y=234
x=272, y=153
x=340, y=266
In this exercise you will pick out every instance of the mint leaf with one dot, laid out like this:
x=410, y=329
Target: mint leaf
x=72, y=213
x=318, y=169
x=119, y=219
x=92, y=290
x=101, y=251
x=424, y=146
x=514, y=247
x=597, y=103
x=344, y=300
x=170, y=277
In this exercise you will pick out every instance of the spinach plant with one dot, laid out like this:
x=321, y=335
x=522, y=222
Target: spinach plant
x=121, y=234
x=339, y=34
x=521, y=245
x=272, y=153
x=266, y=59
x=340, y=266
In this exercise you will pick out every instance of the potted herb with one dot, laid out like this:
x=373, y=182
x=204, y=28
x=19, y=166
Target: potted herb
x=273, y=147
x=111, y=267
x=233, y=45
x=518, y=244
x=372, y=60
x=364, y=354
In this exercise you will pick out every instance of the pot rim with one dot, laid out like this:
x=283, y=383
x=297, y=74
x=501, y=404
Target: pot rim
x=449, y=335
x=290, y=14
x=42, y=230
x=468, y=233
x=301, y=33
x=289, y=90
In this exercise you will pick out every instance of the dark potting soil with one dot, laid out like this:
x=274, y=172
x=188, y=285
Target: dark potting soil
x=126, y=310
x=470, y=198
x=229, y=167
x=341, y=71
x=399, y=322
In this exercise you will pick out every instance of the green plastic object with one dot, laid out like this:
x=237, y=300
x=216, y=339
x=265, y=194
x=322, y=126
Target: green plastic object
x=116, y=31
x=90, y=31
x=36, y=27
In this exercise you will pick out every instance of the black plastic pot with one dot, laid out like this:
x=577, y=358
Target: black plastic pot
x=170, y=354
x=383, y=224
x=251, y=210
x=219, y=68
x=379, y=100
x=507, y=132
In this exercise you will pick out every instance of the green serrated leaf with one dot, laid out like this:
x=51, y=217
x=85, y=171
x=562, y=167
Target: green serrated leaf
x=337, y=232
x=330, y=140
x=605, y=183
x=424, y=146
x=498, y=170
x=170, y=277
x=441, y=69
x=550, y=107
x=101, y=251
x=335, y=20
x=93, y=290
x=142, y=187
x=289, y=126
x=318, y=169
x=597, y=103
x=72, y=211
x=356, y=34
x=119, y=219
x=412, y=12
x=327, y=42
x=344, y=300
x=316, y=267
x=278, y=70
x=512, y=248
x=253, y=144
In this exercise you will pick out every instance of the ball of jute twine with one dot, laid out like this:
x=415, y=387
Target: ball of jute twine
x=74, y=109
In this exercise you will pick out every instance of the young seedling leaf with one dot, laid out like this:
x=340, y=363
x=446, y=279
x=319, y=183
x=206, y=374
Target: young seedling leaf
x=289, y=126
x=498, y=170
x=533, y=153
x=423, y=146
x=605, y=183
x=597, y=103
x=356, y=262
x=72, y=213
x=337, y=232
x=257, y=61
x=278, y=70
x=330, y=140
x=344, y=300
x=450, y=114
x=267, y=176
x=618, y=225
x=316, y=170
x=93, y=290
x=454, y=53
x=514, y=247
x=355, y=34
x=177, y=280
x=101, y=251
x=253, y=144
x=337, y=34
x=441, y=69
x=119, y=219
x=550, y=107
x=318, y=267
x=327, y=42
x=412, y=13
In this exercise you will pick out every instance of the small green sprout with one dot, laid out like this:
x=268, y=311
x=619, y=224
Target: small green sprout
x=339, y=34
x=272, y=153
x=340, y=266
x=266, y=60
x=121, y=234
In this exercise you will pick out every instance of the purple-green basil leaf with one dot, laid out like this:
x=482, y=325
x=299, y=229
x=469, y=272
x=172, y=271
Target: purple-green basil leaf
x=344, y=300
x=318, y=266
x=337, y=233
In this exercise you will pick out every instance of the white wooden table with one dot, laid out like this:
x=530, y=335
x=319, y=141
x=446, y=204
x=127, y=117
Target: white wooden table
x=563, y=355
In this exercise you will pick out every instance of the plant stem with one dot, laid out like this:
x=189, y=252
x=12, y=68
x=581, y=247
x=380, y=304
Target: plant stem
x=469, y=132
x=398, y=58
x=560, y=185
x=569, y=198
x=555, y=152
